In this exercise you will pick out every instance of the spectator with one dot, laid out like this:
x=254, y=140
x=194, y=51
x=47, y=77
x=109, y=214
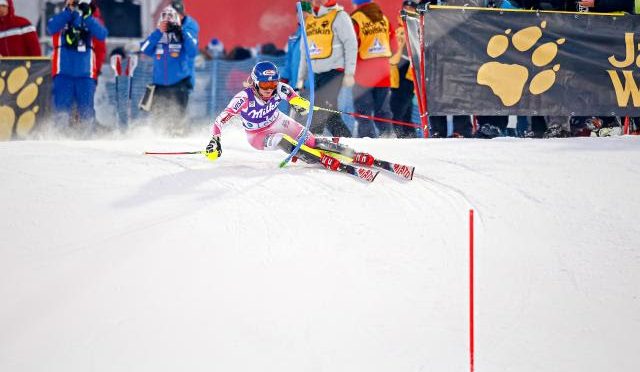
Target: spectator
x=173, y=47
x=74, y=69
x=18, y=38
x=239, y=53
x=333, y=48
x=462, y=126
x=376, y=43
x=289, y=72
x=271, y=50
x=214, y=50
x=192, y=26
x=99, y=46
x=402, y=89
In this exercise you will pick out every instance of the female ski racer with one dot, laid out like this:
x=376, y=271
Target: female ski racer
x=266, y=126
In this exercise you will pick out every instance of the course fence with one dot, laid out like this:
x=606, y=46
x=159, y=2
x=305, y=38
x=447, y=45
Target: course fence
x=217, y=81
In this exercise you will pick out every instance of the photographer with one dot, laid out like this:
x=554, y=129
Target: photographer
x=188, y=23
x=74, y=67
x=172, y=45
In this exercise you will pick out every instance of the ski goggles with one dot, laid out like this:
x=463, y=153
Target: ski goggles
x=268, y=85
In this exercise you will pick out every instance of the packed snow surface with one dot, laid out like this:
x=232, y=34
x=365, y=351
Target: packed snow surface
x=111, y=260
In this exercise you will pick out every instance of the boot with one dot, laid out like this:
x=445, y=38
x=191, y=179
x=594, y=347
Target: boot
x=329, y=162
x=363, y=158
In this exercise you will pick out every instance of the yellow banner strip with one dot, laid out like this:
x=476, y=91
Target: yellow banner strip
x=446, y=7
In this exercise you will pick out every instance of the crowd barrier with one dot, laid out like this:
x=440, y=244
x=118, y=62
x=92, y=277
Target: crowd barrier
x=25, y=94
x=217, y=81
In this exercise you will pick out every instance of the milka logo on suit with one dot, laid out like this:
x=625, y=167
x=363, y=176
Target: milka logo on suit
x=267, y=109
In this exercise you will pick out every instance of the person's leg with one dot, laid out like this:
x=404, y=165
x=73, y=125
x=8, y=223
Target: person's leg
x=160, y=107
x=403, y=111
x=382, y=110
x=327, y=89
x=63, y=95
x=437, y=126
x=522, y=125
x=462, y=125
x=181, y=96
x=268, y=137
x=84, y=91
x=363, y=104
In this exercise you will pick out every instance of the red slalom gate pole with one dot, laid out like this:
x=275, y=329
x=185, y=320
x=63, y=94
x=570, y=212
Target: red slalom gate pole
x=471, y=294
x=397, y=122
x=627, y=124
x=174, y=153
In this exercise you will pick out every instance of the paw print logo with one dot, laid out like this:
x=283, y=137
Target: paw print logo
x=507, y=81
x=18, y=96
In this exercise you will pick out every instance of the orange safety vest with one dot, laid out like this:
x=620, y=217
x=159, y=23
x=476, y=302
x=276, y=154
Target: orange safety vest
x=374, y=37
x=320, y=34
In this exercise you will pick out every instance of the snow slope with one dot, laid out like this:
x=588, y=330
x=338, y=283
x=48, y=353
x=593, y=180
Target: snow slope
x=115, y=261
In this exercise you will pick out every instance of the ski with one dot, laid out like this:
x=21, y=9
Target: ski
x=400, y=170
x=404, y=171
x=314, y=155
x=365, y=174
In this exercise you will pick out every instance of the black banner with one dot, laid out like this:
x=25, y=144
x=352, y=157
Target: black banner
x=25, y=92
x=498, y=62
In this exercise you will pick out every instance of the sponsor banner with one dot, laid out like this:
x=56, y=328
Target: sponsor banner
x=496, y=62
x=25, y=91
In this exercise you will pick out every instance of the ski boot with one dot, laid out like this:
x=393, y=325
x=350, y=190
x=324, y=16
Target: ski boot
x=329, y=162
x=363, y=158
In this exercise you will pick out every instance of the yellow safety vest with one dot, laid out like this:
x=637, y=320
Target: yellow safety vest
x=374, y=37
x=320, y=34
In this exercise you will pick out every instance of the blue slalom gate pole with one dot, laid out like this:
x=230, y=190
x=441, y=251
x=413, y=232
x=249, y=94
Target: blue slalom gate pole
x=303, y=136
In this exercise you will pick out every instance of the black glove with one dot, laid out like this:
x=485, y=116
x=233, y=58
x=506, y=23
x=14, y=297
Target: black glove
x=175, y=28
x=300, y=110
x=214, y=148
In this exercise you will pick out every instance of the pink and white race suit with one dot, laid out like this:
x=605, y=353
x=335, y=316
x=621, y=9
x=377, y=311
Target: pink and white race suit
x=262, y=121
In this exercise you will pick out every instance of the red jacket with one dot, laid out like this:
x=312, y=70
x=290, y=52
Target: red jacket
x=18, y=38
x=99, y=46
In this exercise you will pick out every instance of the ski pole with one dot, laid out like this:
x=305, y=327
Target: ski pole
x=397, y=122
x=175, y=153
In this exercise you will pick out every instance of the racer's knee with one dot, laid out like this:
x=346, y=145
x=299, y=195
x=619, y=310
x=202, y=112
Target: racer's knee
x=273, y=142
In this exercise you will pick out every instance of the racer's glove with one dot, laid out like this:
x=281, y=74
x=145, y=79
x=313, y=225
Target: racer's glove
x=300, y=104
x=214, y=149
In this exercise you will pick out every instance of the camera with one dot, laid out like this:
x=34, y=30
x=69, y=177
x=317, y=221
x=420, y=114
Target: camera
x=174, y=28
x=82, y=6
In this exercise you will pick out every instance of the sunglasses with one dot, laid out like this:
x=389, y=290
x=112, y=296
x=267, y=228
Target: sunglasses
x=266, y=85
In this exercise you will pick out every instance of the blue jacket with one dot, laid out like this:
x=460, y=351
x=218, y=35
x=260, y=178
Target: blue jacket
x=194, y=29
x=289, y=71
x=74, y=60
x=172, y=58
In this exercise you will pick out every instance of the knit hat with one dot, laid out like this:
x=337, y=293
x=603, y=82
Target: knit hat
x=178, y=5
x=4, y=2
x=360, y=2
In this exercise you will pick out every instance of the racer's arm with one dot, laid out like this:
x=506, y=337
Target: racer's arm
x=238, y=103
x=301, y=105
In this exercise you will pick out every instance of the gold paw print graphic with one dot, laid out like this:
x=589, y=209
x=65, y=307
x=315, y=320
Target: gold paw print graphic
x=14, y=88
x=507, y=81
